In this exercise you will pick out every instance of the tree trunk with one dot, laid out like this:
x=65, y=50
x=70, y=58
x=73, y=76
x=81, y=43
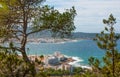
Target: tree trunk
x=113, y=62
x=25, y=57
x=31, y=66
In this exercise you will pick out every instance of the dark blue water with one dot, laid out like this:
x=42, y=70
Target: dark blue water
x=82, y=49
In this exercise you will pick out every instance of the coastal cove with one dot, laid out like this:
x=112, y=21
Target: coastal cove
x=79, y=50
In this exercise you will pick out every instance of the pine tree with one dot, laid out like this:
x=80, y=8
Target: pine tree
x=107, y=40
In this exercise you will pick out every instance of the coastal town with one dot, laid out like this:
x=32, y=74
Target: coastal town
x=55, y=61
x=52, y=40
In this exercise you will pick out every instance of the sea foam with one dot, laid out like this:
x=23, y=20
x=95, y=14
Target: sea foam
x=77, y=61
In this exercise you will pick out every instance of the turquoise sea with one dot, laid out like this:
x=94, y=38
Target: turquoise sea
x=80, y=49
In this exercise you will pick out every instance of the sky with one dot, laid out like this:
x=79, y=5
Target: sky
x=90, y=13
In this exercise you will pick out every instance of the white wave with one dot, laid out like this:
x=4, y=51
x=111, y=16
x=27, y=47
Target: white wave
x=66, y=41
x=82, y=66
x=74, y=40
x=34, y=43
x=77, y=61
x=59, y=42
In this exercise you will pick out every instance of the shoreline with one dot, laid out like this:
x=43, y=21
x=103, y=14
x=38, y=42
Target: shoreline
x=71, y=60
x=77, y=61
x=52, y=40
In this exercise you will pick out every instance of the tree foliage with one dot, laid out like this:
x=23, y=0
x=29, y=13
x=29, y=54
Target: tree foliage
x=21, y=18
x=60, y=24
x=12, y=65
x=26, y=17
x=108, y=42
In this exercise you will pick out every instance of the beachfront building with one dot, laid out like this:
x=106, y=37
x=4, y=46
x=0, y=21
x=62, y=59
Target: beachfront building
x=57, y=61
x=67, y=67
x=53, y=60
x=60, y=56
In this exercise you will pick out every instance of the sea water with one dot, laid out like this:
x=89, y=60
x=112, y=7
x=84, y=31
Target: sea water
x=80, y=50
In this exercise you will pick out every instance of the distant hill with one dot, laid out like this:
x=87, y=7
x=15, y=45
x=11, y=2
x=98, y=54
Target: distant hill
x=83, y=35
x=76, y=35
